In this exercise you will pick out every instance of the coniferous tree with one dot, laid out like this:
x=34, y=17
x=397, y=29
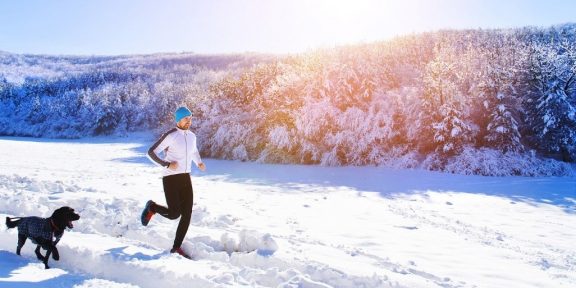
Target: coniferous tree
x=503, y=130
x=443, y=105
x=497, y=102
x=440, y=96
x=551, y=103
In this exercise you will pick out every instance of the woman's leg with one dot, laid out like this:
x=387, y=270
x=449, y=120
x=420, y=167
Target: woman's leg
x=186, y=200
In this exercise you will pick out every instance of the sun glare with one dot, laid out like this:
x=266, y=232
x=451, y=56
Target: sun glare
x=351, y=21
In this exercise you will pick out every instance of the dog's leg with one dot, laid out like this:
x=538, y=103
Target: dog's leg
x=47, y=257
x=55, y=254
x=38, y=254
x=21, y=241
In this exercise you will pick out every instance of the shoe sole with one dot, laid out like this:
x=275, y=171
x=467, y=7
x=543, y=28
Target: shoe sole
x=144, y=212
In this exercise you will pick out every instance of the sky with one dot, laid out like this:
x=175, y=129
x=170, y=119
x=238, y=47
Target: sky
x=120, y=27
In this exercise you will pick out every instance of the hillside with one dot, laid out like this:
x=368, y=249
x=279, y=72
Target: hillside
x=488, y=102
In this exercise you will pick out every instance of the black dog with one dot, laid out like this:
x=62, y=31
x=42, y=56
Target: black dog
x=42, y=231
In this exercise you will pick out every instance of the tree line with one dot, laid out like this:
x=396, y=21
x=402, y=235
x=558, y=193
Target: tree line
x=492, y=102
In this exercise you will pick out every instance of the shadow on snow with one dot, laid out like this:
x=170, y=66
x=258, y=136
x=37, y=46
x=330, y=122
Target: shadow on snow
x=560, y=191
x=14, y=269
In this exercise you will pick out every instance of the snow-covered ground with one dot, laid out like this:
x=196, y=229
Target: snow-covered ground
x=259, y=225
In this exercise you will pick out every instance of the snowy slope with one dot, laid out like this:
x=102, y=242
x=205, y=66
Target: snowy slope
x=257, y=225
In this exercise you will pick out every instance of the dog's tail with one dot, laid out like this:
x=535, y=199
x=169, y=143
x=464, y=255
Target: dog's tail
x=10, y=223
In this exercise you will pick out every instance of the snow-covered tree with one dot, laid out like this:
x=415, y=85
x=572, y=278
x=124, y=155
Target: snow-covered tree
x=442, y=120
x=503, y=130
x=451, y=133
x=496, y=93
x=552, y=98
x=434, y=96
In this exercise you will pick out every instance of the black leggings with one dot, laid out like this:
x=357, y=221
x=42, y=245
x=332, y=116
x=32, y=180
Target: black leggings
x=179, y=197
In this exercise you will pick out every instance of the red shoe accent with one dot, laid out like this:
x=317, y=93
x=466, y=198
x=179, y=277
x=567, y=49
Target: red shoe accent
x=181, y=252
x=149, y=216
x=147, y=213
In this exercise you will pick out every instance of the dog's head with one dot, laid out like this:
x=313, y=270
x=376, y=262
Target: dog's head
x=64, y=216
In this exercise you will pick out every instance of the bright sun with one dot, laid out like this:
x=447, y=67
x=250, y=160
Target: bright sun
x=349, y=21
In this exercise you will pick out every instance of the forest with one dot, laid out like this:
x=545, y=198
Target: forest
x=485, y=102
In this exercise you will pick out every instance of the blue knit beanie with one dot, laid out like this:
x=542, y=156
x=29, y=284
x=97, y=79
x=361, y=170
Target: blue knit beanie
x=180, y=113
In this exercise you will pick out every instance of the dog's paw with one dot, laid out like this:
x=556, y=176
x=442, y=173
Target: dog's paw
x=55, y=255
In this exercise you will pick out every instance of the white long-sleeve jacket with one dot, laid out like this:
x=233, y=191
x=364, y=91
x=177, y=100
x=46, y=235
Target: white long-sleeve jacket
x=178, y=145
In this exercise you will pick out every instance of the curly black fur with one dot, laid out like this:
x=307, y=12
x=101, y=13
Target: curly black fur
x=42, y=231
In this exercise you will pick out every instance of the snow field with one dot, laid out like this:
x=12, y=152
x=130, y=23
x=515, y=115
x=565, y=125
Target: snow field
x=256, y=225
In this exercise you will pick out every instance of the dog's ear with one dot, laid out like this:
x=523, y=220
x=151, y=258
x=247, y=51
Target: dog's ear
x=58, y=212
